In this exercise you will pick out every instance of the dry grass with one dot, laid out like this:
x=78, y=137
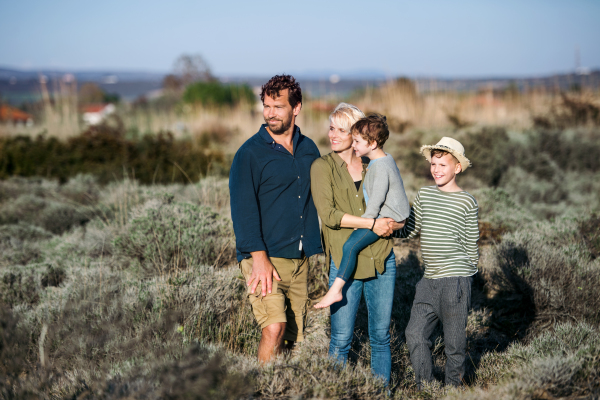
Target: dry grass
x=118, y=291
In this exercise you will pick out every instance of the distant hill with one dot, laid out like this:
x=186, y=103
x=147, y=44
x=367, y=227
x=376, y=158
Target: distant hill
x=86, y=76
x=19, y=86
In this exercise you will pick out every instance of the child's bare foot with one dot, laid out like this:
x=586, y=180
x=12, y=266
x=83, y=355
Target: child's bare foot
x=329, y=299
x=334, y=294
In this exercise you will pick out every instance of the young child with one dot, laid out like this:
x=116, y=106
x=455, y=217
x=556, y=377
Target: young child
x=446, y=217
x=384, y=195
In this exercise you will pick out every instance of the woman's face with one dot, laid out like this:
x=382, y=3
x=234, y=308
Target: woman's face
x=339, y=138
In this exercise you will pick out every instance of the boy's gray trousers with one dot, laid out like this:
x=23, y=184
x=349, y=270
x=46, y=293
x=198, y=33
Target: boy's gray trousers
x=446, y=300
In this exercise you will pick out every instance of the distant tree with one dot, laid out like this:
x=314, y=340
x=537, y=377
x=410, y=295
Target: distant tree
x=172, y=84
x=192, y=68
x=90, y=93
x=113, y=98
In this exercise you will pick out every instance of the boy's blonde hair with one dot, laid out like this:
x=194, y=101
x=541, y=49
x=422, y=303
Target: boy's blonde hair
x=345, y=115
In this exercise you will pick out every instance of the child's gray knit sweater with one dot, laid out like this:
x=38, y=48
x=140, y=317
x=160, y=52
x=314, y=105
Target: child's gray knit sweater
x=385, y=190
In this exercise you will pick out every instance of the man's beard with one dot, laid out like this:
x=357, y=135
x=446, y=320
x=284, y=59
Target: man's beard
x=279, y=129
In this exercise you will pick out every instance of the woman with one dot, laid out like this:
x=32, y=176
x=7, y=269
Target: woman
x=336, y=186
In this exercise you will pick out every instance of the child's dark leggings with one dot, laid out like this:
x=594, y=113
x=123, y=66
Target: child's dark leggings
x=358, y=241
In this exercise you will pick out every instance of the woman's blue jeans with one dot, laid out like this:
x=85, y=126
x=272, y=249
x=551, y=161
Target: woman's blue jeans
x=379, y=296
x=357, y=242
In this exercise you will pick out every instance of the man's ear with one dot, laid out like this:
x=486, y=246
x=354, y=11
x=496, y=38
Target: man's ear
x=297, y=109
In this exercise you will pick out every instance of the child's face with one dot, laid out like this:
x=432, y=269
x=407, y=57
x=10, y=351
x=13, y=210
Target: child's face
x=361, y=146
x=444, y=169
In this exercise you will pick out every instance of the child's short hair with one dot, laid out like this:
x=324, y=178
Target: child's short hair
x=372, y=128
x=441, y=153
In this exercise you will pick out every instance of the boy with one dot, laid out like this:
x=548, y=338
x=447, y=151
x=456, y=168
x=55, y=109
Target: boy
x=384, y=195
x=446, y=216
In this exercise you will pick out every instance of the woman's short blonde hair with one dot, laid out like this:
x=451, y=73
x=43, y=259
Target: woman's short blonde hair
x=345, y=115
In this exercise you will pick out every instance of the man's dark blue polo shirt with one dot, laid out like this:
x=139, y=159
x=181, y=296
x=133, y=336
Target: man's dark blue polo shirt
x=271, y=205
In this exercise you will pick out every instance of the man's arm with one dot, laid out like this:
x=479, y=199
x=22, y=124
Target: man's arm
x=244, y=180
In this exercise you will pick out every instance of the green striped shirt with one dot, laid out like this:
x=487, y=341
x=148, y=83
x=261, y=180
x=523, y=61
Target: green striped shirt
x=449, y=231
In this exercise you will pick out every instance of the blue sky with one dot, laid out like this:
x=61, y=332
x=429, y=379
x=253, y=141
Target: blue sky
x=479, y=38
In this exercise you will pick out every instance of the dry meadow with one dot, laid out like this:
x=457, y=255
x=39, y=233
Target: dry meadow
x=121, y=282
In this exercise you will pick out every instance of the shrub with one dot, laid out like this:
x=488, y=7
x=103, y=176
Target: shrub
x=14, y=349
x=571, y=111
x=490, y=151
x=54, y=216
x=498, y=208
x=547, y=269
x=105, y=151
x=214, y=93
x=561, y=363
x=19, y=244
x=17, y=233
x=17, y=288
x=167, y=236
x=590, y=231
x=53, y=276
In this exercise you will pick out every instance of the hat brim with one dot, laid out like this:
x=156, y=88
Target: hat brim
x=464, y=161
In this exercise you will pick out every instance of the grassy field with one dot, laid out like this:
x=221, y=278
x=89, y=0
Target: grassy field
x=118, y=289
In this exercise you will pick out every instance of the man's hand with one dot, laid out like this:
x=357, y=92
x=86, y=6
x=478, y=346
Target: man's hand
x=397, y=225
x=263, y=271
x=382, y=227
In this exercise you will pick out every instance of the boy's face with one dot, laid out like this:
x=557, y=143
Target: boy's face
x=444, y=169
x=361, y=146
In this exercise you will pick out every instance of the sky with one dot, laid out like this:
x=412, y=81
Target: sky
x=446, y=38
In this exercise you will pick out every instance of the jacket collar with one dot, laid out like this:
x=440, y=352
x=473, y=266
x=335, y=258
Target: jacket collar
x=341, y=163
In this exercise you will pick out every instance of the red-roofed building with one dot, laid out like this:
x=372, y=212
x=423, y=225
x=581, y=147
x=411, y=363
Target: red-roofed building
x=14, y=115
x=94, y=113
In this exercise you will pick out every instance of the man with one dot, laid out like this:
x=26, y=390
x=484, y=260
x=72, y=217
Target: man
x=274, y=217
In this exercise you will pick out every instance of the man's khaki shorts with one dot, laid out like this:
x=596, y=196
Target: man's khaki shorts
x=288, y=300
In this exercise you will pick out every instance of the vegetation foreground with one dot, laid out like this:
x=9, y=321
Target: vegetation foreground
x=131, y=291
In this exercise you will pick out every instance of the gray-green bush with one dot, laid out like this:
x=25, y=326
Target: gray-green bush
x=164, y=236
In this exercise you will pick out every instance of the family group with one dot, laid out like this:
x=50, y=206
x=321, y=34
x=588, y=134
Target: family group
x=288, y=203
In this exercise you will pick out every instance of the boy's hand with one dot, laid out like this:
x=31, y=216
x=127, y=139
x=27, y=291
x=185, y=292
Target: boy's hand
x=382, y=227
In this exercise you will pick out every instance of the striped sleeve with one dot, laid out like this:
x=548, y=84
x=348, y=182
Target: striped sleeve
x=471, y=234
x=413, y=224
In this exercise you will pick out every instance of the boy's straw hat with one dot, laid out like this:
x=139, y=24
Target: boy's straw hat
x=450, y=145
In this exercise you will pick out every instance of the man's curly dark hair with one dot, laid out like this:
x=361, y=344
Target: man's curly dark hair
x=279, y=83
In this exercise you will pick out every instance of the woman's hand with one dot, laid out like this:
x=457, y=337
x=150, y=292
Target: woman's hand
x=382, y=227
x=397, y=225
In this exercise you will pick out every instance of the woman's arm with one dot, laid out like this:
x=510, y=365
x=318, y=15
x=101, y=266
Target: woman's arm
x=322, y=191
x=381, y=227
